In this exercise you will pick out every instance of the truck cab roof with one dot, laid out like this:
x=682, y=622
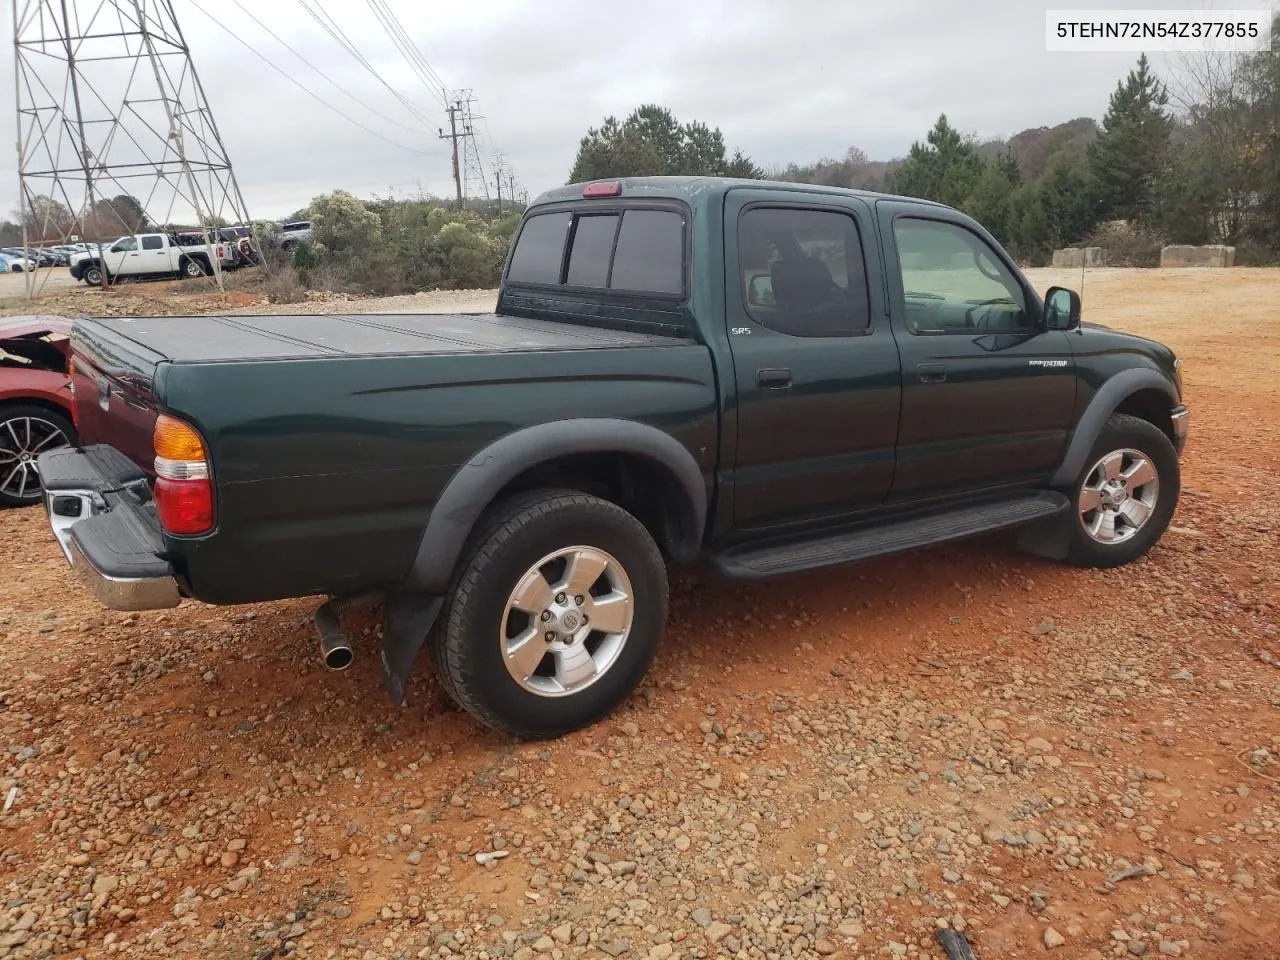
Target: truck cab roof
x=697, y=190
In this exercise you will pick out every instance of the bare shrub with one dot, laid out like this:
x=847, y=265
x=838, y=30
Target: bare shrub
x=283, y=285
x=1126, y=244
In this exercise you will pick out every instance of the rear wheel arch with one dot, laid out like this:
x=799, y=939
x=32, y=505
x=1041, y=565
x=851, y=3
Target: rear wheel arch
x=199, y=259
x=649, y=471
x=1141, y=392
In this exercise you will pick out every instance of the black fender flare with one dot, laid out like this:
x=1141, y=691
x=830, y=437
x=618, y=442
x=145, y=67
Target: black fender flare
x=478, y=481
x=1104, y=403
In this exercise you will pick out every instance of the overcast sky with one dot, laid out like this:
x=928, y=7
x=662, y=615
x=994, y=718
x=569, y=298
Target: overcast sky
x=785, y=80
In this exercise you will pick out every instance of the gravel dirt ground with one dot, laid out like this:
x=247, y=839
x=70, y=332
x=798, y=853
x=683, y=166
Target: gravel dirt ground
x=1057, y=762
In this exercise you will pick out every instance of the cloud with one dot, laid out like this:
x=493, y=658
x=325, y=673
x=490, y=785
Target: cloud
x=790, y=81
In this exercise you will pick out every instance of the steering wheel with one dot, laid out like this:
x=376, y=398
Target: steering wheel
x=969, y=319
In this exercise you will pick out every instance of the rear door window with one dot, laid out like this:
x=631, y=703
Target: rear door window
x=153, y=243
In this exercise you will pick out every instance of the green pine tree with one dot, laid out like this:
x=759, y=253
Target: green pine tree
x=990, y=202
x=945, y=168
x=651, y=142
x=1129, y=155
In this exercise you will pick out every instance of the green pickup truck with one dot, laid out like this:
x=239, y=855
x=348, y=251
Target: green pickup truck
x=768, y=378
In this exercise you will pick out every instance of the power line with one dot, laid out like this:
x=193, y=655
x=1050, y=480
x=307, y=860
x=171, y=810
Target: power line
x=303, y=87
x=284, y=43
x=334, y=29
x=404, y=43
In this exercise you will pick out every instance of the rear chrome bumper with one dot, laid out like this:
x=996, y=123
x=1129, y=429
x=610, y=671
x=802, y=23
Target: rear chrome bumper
x=124, y=593
x=1181, y=419
x=100, y=511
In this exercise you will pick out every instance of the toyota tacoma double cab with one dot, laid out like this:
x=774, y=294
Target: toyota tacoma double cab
x=766, y=378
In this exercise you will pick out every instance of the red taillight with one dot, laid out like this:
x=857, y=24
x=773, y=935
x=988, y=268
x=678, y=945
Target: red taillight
x=611, y=188
x=185, y=507
x=183, y=490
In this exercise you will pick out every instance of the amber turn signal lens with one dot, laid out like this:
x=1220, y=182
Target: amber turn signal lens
x=175, y=440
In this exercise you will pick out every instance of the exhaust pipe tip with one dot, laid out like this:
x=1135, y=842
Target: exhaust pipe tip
x=335, y=646
x=338, y=657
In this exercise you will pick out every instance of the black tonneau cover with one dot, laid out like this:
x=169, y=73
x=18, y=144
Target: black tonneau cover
x=212, y=339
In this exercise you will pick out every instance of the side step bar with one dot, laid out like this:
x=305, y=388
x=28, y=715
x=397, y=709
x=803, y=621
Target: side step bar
x=828, y=548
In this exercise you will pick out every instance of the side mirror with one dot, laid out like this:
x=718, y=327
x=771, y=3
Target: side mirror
x=1061, y=309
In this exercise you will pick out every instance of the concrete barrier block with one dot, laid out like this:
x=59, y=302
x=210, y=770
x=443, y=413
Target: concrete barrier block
x=1209, y=255
x=1076, y=257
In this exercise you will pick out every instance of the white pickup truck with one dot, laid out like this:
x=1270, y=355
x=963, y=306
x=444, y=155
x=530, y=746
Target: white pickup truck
x=150, y=255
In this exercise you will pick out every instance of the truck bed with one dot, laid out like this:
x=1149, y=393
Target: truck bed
x=331, y=436
x=215, y=339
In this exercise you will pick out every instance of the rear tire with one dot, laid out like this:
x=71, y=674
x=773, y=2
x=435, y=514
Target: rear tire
x=1125, y=496
x=192, y=269
x=591, y=577
x=31, y=430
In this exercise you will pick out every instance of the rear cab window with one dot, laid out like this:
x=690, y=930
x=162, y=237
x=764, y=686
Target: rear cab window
x=637, y=249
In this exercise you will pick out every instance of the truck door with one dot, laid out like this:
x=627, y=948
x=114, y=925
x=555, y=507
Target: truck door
x=987, y=395
x=154, y=256
x=122, y=257
x=815, y=363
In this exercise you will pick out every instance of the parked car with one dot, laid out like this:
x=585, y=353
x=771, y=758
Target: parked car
x=54, y=257
x=293, y=233
x=37, y=256
x=149, y=254
x=35, y=401
x=15, y=263
x=774, y=377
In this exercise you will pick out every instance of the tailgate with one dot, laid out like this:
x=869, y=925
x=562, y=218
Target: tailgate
x=104, y=518
x=112, y=379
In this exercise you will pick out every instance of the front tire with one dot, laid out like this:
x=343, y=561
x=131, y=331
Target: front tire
x=555, y=615
x=1125, y=497
x=92, y=276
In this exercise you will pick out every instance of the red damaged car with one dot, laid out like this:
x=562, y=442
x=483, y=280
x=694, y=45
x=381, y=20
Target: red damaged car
x=35, y=401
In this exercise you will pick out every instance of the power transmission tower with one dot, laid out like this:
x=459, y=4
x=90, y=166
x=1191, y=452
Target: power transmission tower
x=504, y=178
x=115, y=133
x=475, y=181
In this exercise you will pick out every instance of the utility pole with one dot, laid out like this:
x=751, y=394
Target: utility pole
x=498, y=166
x=455, y=109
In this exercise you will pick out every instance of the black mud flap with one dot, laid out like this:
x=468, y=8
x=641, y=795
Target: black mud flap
x=1049, y=538
x=410, y=615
